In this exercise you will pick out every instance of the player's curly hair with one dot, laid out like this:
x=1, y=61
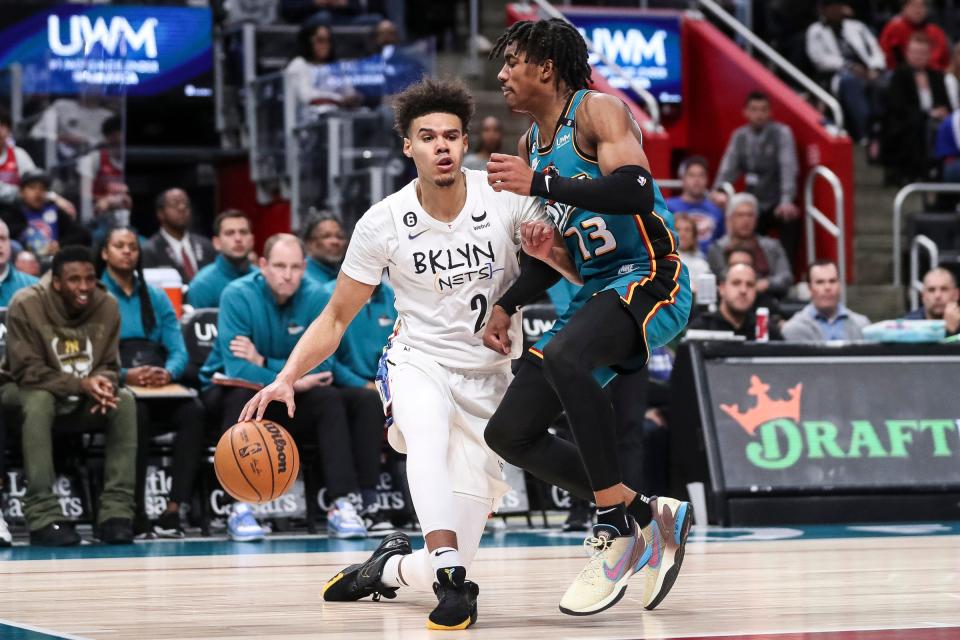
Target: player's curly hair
x=552, y=39
x=431, y=95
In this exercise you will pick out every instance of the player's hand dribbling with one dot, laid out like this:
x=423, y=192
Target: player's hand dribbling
x=536, y=238
x=496, y=336
x=279, y=390
x=509, y=173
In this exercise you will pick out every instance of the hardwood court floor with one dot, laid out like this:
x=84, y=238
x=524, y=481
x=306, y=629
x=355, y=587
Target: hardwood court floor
x=731, y=588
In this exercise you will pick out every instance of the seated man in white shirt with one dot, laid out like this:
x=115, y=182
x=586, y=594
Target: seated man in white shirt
x=825, y=318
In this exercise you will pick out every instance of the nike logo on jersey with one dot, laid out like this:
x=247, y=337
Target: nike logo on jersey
x=414, y=236
x=546, y=181
x=479, y=218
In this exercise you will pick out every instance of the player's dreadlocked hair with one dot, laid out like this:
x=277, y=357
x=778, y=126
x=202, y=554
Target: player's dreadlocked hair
x=432, y=96
x=553, y=39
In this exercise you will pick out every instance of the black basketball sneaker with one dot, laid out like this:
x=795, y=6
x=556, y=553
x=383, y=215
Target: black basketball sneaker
x=361, y=580
x=457, y=596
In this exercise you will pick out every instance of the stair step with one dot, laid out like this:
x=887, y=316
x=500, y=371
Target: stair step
x=877, y=302
x=866, y=225
x=873, y=270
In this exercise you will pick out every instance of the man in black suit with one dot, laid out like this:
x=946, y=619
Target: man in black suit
x=174, y=245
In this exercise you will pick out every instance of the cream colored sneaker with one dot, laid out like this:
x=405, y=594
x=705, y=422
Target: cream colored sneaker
x=666, y=537
x=603, y=581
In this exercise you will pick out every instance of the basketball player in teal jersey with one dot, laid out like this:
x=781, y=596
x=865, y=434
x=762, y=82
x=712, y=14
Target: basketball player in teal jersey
x=583, y=156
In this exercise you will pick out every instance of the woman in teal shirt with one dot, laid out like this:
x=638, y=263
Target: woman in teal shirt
x=153, y=354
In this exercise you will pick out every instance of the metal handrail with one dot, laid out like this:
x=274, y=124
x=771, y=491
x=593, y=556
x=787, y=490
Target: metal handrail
x=653, y=107
x=785, y=65
x=16, y=94
x=916, y=284
x=836, y=229
x=916, y=187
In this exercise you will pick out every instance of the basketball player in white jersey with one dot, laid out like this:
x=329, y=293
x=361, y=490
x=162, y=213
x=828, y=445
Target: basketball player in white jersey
x=451, y=245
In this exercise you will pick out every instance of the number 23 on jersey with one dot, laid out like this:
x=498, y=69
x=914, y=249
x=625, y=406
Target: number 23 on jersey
x=596, y=230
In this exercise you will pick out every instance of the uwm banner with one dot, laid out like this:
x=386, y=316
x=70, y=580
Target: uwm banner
x=816, y=424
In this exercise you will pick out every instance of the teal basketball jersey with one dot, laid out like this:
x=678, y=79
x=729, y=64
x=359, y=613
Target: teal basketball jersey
x=604, y=247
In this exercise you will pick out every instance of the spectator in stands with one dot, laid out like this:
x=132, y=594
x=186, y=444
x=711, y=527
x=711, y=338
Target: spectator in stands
x=689, y=250
x=769, y=259
x=825, y=318
x=695, y=203
x=764, y=153
x=233, y=240
x=336, y=12
x=174, y=245
x=318, y=83
x=76, y=125
x=62, y=352
x=951, y=78
x=737, y=311
x=152, y=354
x=326, y=245
x=14, y=161
x=939, y=299
x=26, y=262
x=11, y=280
x=946, y=148
x=735, y=255
x=36, y=222
x=111, y=210
x=399, y=67
x=849, y=60
x=261, y=317
x=913, y=19
x=489, y=141
x=916, y=103
x=102, y=170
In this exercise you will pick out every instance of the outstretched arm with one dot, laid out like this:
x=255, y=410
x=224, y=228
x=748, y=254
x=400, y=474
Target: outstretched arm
x=626, y=186
x=317, y=343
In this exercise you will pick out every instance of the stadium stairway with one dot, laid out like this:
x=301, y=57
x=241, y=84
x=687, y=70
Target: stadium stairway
x=872, y=294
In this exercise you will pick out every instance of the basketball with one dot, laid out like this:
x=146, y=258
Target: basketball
x=256, y=461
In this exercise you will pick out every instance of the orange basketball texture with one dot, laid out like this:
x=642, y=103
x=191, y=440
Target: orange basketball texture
x=256, y=461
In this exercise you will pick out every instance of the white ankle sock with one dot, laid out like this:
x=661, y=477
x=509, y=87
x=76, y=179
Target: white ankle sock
x=445, y=557
x=391, y=572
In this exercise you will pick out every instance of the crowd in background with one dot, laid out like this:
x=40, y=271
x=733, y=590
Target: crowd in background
x=89, y=334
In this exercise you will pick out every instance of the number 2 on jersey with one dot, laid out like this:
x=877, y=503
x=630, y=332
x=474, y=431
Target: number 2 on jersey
x=600, y=233
x=479, y=301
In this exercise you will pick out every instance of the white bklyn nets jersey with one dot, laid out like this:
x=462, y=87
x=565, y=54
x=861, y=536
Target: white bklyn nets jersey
x=446, y=276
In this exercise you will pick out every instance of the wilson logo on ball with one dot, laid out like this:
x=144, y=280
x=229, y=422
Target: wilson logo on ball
x=280, y=443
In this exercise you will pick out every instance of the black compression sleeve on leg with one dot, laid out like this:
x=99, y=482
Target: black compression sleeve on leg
x=535, y=278
x=627, y=191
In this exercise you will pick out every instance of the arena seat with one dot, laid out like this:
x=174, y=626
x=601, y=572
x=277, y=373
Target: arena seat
x=199, y=331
